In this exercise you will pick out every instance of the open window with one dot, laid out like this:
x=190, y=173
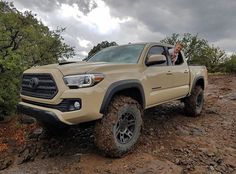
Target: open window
x=180, y=58
x=157, y=50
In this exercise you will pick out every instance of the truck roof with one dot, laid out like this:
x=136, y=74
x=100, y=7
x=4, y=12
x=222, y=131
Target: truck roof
x=151, y=43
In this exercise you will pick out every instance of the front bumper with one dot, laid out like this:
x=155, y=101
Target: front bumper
x=40, y=115
x=54, y=116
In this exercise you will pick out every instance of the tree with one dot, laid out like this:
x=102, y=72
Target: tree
x=100, y=46
x=198, y=50
x=24, y=42
x=230, y=65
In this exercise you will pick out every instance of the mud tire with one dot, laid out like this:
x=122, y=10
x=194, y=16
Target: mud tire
x=194, y=103
x=109, y=131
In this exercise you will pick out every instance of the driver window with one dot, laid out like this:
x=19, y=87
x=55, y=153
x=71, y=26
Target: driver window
x=179, y=60
x=158, y=50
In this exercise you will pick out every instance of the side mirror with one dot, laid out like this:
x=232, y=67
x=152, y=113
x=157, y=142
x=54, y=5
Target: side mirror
x=156, y=59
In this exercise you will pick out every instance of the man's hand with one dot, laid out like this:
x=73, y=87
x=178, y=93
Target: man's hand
x=174, y=57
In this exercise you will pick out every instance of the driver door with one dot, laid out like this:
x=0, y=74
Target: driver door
x=158, y=78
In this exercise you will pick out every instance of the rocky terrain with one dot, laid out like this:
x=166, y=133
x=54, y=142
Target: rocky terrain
x=170, y=142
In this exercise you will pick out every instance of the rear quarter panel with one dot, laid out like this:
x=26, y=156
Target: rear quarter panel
x=196, y=73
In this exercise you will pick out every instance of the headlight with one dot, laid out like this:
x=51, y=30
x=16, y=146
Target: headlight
x=83, y=80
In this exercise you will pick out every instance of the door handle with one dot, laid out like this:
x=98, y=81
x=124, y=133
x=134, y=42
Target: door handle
x=185, y=71
x=169, y=73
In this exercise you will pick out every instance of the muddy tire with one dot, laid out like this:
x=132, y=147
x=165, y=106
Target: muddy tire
x=119, y=129
x=194, y=103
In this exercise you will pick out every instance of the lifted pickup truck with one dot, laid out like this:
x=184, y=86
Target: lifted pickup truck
x=112, y=87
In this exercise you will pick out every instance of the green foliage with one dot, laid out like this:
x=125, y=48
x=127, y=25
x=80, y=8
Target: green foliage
x=100, y=46
x=198, y=50
x=230, y=65
x=9, y=93
x=24, y=42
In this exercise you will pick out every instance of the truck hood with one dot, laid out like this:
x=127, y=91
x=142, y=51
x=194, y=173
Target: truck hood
x=87, y=67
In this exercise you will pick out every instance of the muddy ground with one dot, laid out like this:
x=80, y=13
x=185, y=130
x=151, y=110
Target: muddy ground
x=170, y=142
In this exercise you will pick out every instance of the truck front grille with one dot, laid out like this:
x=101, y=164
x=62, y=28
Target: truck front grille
x=39, y=86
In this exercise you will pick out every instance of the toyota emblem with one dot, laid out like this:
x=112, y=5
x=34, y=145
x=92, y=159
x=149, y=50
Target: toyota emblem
x=33, y=83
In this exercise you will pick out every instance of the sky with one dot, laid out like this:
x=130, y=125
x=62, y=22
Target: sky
x=88, y=22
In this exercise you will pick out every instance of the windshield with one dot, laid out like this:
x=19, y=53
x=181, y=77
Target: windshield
x=119, y=54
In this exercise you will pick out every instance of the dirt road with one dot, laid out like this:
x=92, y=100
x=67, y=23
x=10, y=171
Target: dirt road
x=170, y=142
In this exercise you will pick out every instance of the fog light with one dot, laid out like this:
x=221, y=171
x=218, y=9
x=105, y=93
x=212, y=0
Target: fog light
x=77, y=105
x=74, y=105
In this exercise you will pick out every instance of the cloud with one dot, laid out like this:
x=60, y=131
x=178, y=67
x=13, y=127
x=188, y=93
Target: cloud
x=85, y=6
x=212, y=19
x=83, y=43
x=228, y=43
x=89, y=22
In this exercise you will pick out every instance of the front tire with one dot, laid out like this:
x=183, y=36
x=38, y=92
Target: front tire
x=119, y=129
x=194, y=103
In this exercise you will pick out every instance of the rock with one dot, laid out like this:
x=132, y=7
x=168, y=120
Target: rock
x=225, y=137
x=188, y=166
x=197, y=131
x=182, y=132
x=155, y=152
x=212, y=110
x=178, y=149
x=27, y=120
x=209, y=152
x=218, y=160
x=231, y=161
x=151, y=131
x=36, y=133
x=28, y=154
x=5, y=163
x=25, y=156
x=212, y=168
x=231, y=96
x=162, y=148
x=177, y=161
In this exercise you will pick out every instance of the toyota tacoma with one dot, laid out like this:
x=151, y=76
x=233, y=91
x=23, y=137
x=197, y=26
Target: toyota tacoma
x=113, y=87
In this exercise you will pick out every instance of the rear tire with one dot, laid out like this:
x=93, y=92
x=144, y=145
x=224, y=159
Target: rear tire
x=194, y=103
x=119, y=129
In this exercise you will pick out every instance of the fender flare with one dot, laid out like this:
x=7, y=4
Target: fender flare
x=195, y=82
x=119, y=86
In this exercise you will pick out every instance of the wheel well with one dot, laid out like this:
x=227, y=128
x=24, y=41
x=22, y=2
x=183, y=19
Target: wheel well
x=200, y=82
x=132, y=88
x=134, y=93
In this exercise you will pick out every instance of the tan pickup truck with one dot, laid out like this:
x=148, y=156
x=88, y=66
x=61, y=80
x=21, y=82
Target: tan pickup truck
x=112, y=87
